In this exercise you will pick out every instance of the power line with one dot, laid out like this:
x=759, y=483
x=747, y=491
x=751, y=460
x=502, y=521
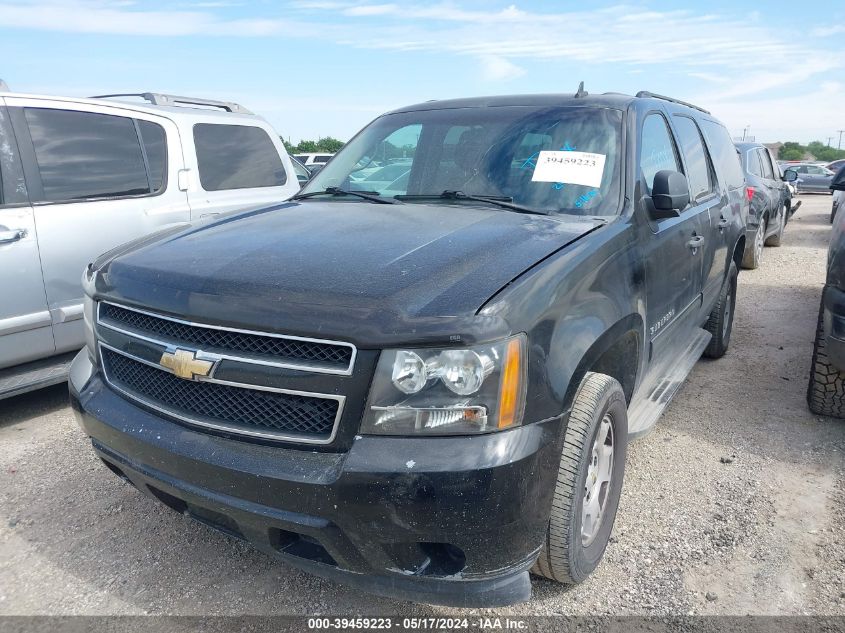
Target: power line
x=839, y=146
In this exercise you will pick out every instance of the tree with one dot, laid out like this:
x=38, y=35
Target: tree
x=329, y=144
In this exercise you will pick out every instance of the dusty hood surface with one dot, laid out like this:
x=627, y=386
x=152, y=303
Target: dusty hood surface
x=355, y=270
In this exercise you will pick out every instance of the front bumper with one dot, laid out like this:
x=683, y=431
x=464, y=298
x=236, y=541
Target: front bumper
x=453, y=520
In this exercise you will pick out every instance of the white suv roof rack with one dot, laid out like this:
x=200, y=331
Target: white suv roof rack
x=160, y=99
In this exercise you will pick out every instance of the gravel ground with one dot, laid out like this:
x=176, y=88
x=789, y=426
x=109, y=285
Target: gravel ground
x=735, y=504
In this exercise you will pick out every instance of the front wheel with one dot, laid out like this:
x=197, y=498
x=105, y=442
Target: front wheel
x=826, y=390
x=777, y=238
x=589, y=482
x=754, y=253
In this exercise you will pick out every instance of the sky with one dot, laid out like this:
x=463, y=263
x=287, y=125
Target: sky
x=326, y=68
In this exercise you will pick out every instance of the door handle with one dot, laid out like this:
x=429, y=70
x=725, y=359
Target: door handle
x=695, y=242
x=11, y=235
x=723, y=223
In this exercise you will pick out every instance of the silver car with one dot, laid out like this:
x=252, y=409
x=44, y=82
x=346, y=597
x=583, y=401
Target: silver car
x=81, y=176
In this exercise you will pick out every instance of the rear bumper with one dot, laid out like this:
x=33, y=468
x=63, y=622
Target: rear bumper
x=455, y=521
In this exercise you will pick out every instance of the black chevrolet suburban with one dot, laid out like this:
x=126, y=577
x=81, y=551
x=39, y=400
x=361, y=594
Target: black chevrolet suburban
x=422, y=381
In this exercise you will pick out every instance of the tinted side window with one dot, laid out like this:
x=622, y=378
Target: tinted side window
x=753, y=166
x=692, y=147
x=768, y=171
x=724, y=154
x=85, y=155
x=155, y=146
x=657, y=151
x=12, y=183
x=236, y=157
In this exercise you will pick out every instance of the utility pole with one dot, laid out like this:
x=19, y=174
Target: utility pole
x=840, y=139
x=829, y=139
x=745, y=131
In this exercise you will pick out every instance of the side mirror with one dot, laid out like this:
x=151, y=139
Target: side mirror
x=790, y=175
x=314, y=168
x=669, y=194
x=838, y=182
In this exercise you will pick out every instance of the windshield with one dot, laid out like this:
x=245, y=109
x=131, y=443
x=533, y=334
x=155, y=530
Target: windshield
x=551, y=159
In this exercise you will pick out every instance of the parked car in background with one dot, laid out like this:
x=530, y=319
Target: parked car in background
x=826, y=389
x=836, y=186
x=313, y=158
x=81, y=176
x=836, y=165
x=430, y=400
x=770, y=200
x=303, y=174
x=812, y=178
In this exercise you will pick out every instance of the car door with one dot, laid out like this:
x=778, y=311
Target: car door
x=237, y=166
x=711, y=209
x=674, y=249
x=26, y=332
x=98, y=176
x=772, y=185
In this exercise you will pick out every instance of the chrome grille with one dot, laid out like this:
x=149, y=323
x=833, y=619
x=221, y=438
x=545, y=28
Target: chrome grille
x=272, y=349
x=241, y=409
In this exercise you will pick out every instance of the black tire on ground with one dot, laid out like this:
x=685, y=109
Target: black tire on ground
x=776, y=239
x=564, y=556
x=721, y=320
x=832, y=214
x=826, y=390
x=754, y=252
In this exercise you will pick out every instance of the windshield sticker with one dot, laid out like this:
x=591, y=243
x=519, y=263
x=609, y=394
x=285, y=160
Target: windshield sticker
x=570, y=167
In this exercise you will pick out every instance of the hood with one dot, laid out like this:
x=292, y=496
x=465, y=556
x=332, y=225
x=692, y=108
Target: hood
x=357, y=271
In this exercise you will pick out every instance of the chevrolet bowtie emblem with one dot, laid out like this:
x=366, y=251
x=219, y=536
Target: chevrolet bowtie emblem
x=185, y=364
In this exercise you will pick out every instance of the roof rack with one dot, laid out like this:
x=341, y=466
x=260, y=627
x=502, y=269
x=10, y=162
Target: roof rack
x=159, y=99
x=653, y=95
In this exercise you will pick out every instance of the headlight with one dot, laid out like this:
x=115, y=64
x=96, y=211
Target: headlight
x=448, y=391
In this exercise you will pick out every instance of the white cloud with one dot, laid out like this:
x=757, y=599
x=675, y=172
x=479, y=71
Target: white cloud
x=826, y=31
x=494, y=68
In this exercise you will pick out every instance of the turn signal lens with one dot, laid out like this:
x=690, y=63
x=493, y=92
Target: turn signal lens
x=749, y=193
x=510, y=392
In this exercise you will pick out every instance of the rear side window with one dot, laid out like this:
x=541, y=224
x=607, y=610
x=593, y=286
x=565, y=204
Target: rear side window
x=768, y=170
x=657, y=151
x=753, y=166
x=84, y=155
x=12, y=183
x=321, y=159
x=692, y=147
x=155, y=147
x=237, y=157
x=723, y=153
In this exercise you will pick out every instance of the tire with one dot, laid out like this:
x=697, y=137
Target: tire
x=721, y=320
x=570, y=553
x=826, y=390
x=776, y=239
x=752, y=256
x=832, y=214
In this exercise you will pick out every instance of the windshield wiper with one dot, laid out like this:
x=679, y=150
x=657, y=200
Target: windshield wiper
x=505, y=202
x=372, y=196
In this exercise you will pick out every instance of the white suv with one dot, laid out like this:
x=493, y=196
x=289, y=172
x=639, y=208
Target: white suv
x=81, y=176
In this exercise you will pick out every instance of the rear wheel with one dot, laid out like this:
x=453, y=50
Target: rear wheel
x=826, y=391
x=721, y=319
x=752, y=256
x=589, y=482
